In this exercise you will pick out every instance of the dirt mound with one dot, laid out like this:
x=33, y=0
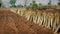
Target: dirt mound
x=11, y=23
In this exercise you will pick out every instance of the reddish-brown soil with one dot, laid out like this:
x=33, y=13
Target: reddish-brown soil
x=11, y=23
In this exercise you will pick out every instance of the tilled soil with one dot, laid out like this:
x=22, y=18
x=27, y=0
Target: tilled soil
x=11, y=23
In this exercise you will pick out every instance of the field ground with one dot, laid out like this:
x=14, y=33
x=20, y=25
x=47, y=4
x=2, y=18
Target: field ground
x=11, y=23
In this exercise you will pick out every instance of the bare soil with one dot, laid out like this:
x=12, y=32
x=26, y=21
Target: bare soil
x=11, y=23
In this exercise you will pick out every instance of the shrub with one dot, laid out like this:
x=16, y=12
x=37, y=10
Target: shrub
x=0, y=4
x=13, y=2
x=34, y=5
x=59, y=3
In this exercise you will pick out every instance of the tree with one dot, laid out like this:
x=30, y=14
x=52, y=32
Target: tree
x=49, y=3
x=12, y=2
x=40, y=4
x=59, y=3
x=25, y=2
x=0, y=3
x=34, y=5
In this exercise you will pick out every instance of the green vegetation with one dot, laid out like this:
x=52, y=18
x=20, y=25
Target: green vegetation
x=12, y=2
x=59, y=3
x=49, y=3
x=33, y=5
x=37, y=6
x=0, y=2
x=40, y=6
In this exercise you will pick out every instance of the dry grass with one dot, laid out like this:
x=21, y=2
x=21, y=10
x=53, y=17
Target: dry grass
x=48, y=18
